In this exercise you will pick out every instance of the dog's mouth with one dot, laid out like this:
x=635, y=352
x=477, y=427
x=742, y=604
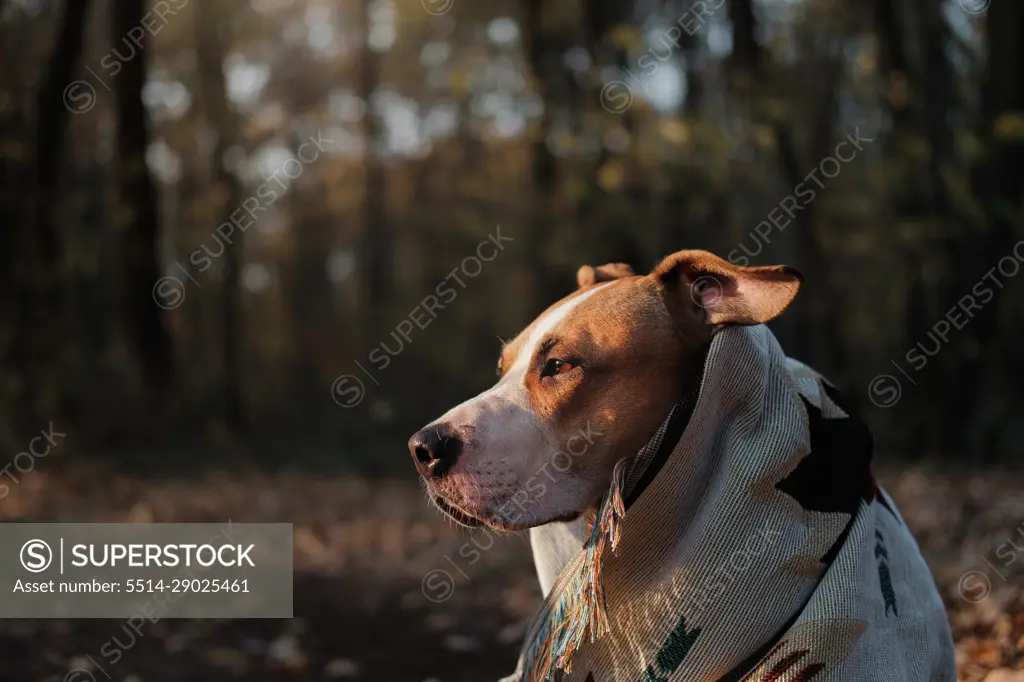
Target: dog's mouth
x=454, y=513
x=467, y=520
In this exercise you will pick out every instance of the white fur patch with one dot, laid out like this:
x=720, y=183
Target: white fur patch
x=512, y=386
x=516, y=376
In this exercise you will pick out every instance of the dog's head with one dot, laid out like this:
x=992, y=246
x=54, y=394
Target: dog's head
x=586, y=384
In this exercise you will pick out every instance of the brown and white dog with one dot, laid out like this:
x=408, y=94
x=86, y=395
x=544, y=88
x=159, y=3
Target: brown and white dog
x=664, y=397
x=612, y=359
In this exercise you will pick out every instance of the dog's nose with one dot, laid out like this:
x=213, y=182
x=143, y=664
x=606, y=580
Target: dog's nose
x=435, y=450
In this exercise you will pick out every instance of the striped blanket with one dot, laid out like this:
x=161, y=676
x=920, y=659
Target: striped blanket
x=753, y=546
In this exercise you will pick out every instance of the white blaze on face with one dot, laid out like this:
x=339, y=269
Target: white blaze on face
x=512, y=386
x=507, y=443
x=517, y=374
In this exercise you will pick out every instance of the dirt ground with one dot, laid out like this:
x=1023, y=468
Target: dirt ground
x=386, y=590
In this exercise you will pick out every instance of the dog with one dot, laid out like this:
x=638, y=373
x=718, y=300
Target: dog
x=668, y=389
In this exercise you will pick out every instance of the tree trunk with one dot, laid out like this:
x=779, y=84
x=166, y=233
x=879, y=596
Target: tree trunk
x=824, y=348
x=746, y=54
x=137, y=215
x=544, y=50
x=36, y=248
x=1000, y=187
x=376, y=255
x=893, y=65
x=228, y=199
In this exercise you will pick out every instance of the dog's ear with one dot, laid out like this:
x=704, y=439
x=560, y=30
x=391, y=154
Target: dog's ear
x=588, y=275
x=698, y=283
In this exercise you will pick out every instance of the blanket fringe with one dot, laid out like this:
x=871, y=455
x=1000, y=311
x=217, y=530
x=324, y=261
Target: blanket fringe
x=579, y=610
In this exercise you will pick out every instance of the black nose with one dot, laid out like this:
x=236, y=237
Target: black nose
x=435, y=450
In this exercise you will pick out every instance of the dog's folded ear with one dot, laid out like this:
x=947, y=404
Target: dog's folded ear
x=588, y=275
x=720, y=293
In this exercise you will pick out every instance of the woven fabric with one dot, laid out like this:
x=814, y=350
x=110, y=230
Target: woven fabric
x=761, y=551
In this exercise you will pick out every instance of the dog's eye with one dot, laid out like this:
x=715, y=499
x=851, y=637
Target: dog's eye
x=556, y=366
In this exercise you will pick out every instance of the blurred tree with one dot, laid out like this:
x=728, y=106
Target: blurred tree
x=378, y=245
x=213, y=30
x=547, y=39
x=37, y=272
x=999, y=186
x=136, y=217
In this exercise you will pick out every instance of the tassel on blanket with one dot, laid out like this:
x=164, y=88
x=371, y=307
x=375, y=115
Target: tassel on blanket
x=579, y=607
